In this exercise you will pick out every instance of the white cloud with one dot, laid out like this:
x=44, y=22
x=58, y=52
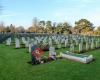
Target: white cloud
x=85, y=1
x=7, y=13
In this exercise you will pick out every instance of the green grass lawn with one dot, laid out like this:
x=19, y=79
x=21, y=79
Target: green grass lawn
x=13, y=66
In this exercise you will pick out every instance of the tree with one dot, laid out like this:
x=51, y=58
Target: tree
x=48, y=26
x=59, y=28
x=83, y=26
x=48, y=23
x=31, y=29
x=63, y=28
x=20, y=29
x=41, y=23
x=7, y=29
x=97, y=31
x=66, y=28
x=12, y=28
x=2, y=27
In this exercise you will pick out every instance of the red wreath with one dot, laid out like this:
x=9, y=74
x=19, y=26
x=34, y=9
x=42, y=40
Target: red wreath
x=37, y=52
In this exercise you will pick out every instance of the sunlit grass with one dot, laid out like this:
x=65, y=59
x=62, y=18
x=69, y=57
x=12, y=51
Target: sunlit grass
x=14, y=66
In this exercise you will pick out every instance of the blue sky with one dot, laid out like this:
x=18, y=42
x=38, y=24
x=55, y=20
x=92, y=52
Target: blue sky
x=21, y=12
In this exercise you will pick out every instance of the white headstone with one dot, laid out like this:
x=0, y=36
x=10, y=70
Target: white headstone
x=17, y=43
x=27, y=44
x=30, y=45
x=8, y=41
x=52, y=52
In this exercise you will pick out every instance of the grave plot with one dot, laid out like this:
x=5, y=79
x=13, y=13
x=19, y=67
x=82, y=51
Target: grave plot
x=77, y=57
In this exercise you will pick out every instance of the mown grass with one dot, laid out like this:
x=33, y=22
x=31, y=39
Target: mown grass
x=14, y=66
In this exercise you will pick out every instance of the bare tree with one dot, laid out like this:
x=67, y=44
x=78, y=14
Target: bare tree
x=2, y=27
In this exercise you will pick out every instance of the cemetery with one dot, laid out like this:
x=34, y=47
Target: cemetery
x=47, y=50
x=49, y=39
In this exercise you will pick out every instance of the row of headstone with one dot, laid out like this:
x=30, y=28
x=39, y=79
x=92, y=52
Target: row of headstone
x=59, y=40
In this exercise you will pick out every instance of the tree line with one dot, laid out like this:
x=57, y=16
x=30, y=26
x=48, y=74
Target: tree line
x=83, y=26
